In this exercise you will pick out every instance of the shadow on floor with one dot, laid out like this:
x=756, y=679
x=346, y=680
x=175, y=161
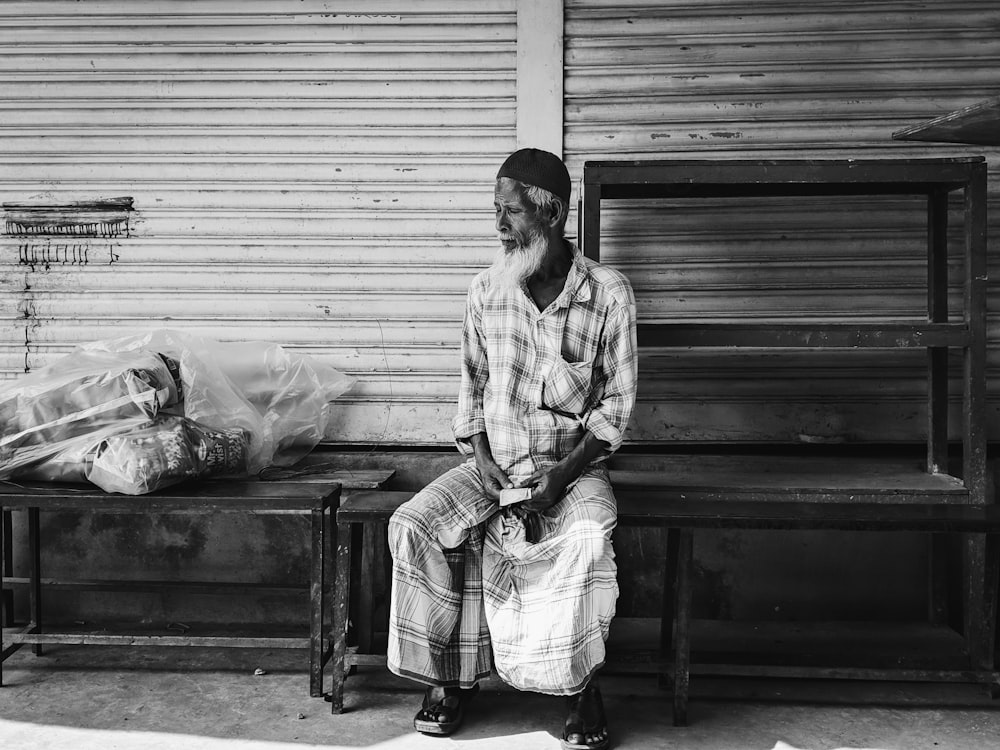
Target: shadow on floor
x=153, y=699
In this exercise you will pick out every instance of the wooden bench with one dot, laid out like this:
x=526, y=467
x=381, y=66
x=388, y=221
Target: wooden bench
x=781, y=493
x=315, y=492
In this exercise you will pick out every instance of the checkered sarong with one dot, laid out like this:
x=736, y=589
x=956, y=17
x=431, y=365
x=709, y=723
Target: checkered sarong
x=468, y=590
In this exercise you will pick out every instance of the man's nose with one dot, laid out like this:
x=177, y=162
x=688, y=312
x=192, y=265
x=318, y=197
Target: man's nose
x=502, y=224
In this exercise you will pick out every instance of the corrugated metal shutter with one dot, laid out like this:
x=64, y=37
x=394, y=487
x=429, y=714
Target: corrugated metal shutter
x=317, y=174
x=732, y=79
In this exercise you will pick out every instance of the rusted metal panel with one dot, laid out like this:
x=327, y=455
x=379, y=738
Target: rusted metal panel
x=677, y=79
x=303, y=173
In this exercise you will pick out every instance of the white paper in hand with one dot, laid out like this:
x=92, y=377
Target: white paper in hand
x=515, y=495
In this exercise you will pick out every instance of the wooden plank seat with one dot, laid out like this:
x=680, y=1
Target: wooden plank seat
x=314, y=495
x=717, y=493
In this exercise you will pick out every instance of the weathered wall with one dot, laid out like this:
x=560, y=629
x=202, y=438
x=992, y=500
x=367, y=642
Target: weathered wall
x=321, y=177
x=315, y=174
x=318, y=174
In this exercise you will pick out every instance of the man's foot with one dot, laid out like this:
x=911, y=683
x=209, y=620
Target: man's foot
x=586, y=726
x=443, y=710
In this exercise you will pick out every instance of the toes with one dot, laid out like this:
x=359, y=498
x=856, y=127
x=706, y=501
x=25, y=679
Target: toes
x=434, y=714
x=590, y=738
x=438, y=716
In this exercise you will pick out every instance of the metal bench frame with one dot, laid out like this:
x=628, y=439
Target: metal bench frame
x=313, y=497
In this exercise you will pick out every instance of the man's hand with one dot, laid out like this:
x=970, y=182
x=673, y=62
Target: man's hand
x=548, y=486
x=494, y=478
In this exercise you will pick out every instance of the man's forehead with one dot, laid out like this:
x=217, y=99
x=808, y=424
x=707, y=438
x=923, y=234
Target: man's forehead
x=507, y=190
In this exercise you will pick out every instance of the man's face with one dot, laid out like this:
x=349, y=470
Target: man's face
x=522, y=236
x=517, y=222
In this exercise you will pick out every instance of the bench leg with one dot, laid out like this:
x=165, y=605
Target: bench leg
x=386, y=559
x=976, y=621
x=8, y=609
x=682, y=635
x=35, y=588
x=7, y=534
x=668, y=602
x=341, y=597
x=317, y=606
x=993, y=604
x=365, y=625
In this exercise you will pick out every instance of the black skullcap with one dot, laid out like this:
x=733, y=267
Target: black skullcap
x=532, y=166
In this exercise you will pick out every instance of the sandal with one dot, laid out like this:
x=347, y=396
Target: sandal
x=577, y=733
x=446, y=715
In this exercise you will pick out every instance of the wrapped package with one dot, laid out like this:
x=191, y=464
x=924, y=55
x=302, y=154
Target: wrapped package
x=68, y=465
x=210, y=397
x=166, y=451
x=78, y=417
x=78, y=399
x=280, y=398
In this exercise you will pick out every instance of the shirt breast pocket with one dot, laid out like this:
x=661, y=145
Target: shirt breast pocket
x=567, y=385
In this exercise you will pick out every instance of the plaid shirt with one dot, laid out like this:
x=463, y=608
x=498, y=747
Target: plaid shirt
x=533, y=381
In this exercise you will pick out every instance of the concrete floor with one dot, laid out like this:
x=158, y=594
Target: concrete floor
x=87, y=698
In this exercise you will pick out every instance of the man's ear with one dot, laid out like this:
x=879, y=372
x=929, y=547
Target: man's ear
x=557, y=207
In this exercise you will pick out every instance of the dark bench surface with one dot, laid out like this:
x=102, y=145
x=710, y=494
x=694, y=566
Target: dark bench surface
x=688, y=485
x=284, y=489
x=236, y=495
x=649, y=508
x=653, y=508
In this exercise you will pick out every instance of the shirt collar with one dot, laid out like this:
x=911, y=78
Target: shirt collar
x=577, y=286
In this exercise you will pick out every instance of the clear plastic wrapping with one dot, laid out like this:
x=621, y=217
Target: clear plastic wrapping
x=280, y=398
x=80, y=398
x=54, y=422
x=292, y=392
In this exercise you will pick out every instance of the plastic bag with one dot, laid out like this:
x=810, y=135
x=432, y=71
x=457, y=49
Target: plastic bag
x=280, y=398
x=68, y=465
x=165, y=452
x=79, y=399
x=291, y=391
x=53, y=422
x=210, y=398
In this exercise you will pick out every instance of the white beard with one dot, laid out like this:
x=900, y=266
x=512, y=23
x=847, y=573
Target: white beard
x=510, y=270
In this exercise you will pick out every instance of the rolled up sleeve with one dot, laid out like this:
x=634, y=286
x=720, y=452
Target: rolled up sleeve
x=609, y=417
x=469, y=419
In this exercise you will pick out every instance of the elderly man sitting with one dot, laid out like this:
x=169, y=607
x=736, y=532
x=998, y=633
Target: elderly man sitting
x=505, y=562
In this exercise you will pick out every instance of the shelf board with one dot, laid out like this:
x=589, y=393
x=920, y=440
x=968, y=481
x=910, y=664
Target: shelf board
x=802, y=334
x=885, y=651
x=978, y=124
x=875, y=644
x=857, y=485
x=194, y=588
x=191, y=635
x=726, y=178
